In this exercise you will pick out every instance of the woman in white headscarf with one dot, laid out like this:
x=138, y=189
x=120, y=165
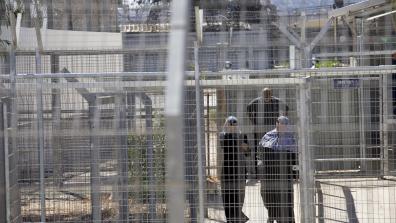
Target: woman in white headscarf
x=233, y=177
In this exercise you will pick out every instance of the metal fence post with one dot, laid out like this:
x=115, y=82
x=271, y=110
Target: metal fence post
x=384, y=132
x=4, y=169
x=14, y=208
x=56, y=124
x=40, y=134
x=199, y=138
x=362, y=126
x=148, y=105
x=190, y=154
x=305, y=157
x=174, y=111
x=3, y=129
x=122, y=156
x=94, y=116
x=3, y=192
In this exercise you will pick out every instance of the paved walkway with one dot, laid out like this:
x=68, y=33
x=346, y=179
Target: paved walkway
x=363, y=200
x=253, y=206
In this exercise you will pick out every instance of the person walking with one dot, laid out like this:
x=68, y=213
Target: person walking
x=263, y=112
x=277, y=159
x=233, y=172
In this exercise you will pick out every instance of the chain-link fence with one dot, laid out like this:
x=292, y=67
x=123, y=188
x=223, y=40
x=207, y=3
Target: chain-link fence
x=91, y=147
x=287, y=111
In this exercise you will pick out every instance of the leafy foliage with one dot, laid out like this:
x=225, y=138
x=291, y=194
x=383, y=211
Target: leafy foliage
x=152, y=1
x=139, y=165
x=327, y=63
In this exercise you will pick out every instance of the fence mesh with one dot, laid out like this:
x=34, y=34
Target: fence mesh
x=103, y=141
x=293, y=109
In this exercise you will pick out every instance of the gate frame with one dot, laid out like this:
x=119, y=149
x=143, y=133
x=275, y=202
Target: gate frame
x=287, y=77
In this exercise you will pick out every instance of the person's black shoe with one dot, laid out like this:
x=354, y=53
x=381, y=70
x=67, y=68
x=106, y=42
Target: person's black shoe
x=244, y=218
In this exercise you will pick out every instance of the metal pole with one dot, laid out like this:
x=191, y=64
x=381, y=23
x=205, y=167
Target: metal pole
x=303, y=51
x=335, y=36
x=56, y=124
x=381, y=125
x=360, y=40
x=292, y=57
x=199, y=140
x=305, y=157
x=40, y=134
x=324, y=87
x=360, y=46
x=3, y=158
x=387, y=103
x=385, y=129
x=6, y=163
x=208, y=133
x=122, y=156
x=148, y=105
x=95, y=159
x=131, y=110
x=12, y=153
x=362, y=125
x=347, y=129
x=174, y=110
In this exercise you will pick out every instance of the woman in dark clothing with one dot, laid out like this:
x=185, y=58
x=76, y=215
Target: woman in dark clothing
x=233, y=177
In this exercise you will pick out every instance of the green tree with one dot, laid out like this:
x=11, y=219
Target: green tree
x=138, y=163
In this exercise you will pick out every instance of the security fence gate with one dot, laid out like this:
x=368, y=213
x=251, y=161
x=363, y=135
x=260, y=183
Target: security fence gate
x=91, y=147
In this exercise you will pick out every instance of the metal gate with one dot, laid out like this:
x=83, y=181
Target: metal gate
x=81, y=147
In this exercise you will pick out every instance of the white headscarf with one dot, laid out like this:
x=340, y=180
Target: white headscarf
x=228, y=121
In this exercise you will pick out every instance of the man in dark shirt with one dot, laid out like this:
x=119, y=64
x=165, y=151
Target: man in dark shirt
x=263, y=113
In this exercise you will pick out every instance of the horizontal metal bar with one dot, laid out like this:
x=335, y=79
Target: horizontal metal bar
x=364, y=53
x=355, y=174
x=93, y=75
x=300, y=72
x=158, y=48
x=376, y=10
x=346, y=159
x=251, y=82
x=157, y=84
x=334, y=146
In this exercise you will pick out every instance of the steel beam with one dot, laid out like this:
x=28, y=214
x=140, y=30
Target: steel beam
x=347, y=10
x=289, y=35
x=321, y=34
